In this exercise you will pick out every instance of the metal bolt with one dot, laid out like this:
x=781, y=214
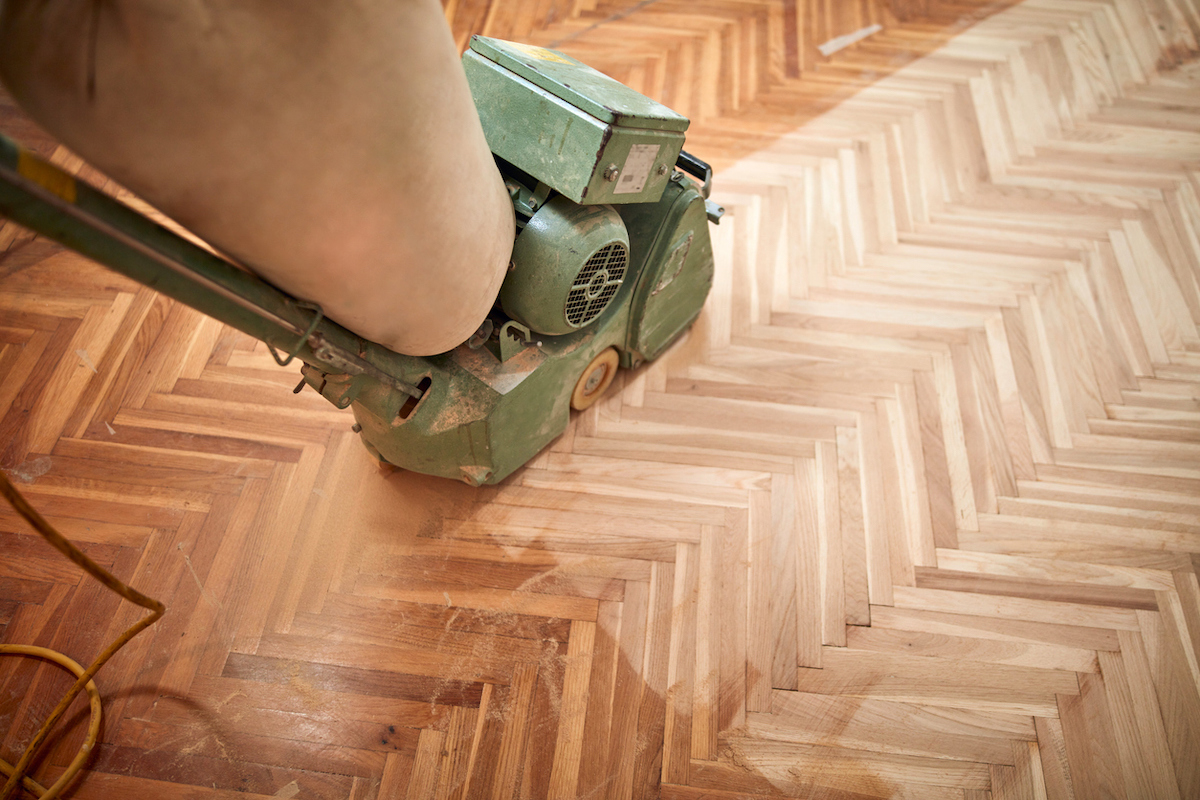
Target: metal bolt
x=594, y=379
x=611, y=173
x=356, y=428
x=662, y=169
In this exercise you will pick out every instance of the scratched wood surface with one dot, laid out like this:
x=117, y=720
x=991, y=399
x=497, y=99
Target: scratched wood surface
x=913, y=511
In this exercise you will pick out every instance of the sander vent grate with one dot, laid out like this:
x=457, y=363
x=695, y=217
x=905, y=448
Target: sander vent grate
x=596, y=284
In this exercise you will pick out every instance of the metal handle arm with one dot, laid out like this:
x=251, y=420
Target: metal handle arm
x=42, y=197
x=697, y=168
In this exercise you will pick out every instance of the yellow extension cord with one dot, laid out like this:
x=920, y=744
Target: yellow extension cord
x=16, y=774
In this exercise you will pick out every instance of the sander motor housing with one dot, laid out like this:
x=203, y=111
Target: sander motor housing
x=612, y=253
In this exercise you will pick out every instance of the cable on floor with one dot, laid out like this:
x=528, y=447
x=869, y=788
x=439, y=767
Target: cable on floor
x=16, y=774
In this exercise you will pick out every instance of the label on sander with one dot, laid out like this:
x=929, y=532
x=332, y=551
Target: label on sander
x=637, y=168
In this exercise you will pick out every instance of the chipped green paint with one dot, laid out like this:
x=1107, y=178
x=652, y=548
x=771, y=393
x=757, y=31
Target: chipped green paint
x=591, y=138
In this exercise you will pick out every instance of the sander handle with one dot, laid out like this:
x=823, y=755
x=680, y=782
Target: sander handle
x=42, y=197
x=697, y=168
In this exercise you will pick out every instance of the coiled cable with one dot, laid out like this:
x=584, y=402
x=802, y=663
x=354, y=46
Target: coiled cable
x=16, y=774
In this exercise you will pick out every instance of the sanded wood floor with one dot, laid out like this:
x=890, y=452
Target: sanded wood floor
x=914, y=510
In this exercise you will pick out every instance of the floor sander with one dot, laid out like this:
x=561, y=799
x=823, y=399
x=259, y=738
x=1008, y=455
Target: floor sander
x=460, y=250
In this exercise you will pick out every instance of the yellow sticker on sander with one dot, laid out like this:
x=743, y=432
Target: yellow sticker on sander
x=540, y=53
x=46, y=175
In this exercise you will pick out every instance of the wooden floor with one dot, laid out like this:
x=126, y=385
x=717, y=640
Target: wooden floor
x=914, y=511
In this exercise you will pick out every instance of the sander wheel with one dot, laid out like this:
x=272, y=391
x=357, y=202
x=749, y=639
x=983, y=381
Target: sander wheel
x=595, y=379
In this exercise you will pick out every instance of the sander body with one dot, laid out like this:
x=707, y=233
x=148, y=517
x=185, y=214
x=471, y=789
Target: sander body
x=612, y=262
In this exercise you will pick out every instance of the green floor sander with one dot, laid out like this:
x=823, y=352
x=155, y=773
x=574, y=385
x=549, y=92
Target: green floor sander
x=612, y=262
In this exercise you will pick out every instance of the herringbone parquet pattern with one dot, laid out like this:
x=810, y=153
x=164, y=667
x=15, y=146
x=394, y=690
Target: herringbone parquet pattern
x=913, y=511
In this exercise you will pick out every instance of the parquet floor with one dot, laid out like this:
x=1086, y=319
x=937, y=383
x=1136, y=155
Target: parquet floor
x=913, y=512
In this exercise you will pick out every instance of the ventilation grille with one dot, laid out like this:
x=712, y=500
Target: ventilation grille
x=596, y=284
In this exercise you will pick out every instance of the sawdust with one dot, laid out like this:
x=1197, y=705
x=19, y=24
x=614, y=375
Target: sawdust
x=198, y=746
x=288, y=792
x=482, y=648
x=194, y=748
x=30, y=471
x=459, y=408
x=207, y=595
x=817, y=780
x=304, y=688
x=388, y=513
x=551, y=664
x=87, y=361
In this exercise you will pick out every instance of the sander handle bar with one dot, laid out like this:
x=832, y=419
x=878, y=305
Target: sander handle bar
x=42, y=197
x=696, y=168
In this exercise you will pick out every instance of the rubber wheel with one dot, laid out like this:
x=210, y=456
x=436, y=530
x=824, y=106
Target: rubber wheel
x=385, y=467
x=595, y=379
